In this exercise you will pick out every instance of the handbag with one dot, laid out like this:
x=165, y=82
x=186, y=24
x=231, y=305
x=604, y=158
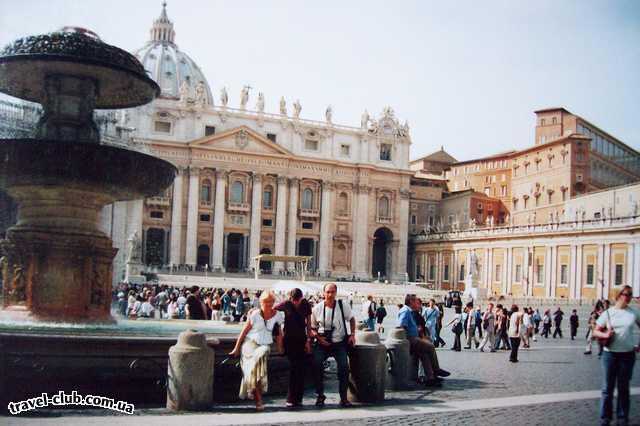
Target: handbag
x=606, y=342
x=457, y=329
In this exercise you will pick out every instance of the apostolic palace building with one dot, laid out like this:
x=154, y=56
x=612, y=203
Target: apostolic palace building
x=560, y=218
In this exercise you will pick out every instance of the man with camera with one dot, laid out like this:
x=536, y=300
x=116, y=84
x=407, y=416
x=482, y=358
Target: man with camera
x=332, y=339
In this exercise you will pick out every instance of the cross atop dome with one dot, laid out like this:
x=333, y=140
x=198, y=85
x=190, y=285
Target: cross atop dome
x=162, y=29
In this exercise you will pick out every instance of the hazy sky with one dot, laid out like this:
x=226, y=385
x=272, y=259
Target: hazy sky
x=466, y=74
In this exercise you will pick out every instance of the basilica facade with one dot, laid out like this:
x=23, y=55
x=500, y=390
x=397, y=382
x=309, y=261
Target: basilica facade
x=252, y=182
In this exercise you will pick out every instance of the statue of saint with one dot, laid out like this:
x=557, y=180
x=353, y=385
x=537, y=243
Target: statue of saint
x=364, y=120
x=201, y=96
x=475, y=265
x=135, y=248
x=328, y=114
x=260, y=103
x=224, y=97
x=283, y=106
x=244, y=97
x=297, y=108
x=184, y=92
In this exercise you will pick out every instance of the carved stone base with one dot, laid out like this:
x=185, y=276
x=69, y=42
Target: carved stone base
x=133, y=273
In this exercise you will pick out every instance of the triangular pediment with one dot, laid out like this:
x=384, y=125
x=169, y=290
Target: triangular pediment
x=240, y=139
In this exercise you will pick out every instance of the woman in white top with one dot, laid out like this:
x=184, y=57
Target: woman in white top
x=515, y=325
x=524, y=330
x=616, y=327
x=254, y=346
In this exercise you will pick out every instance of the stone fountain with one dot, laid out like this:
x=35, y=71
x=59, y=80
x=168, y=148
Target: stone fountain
x=56, y=330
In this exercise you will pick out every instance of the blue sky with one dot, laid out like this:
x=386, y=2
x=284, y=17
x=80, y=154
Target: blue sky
x=467, y=75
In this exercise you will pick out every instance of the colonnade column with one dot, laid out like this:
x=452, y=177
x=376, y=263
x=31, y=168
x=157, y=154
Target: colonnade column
x=573, y=261
x=547, y=271
x=325, y=228
x=505, y=270
x=509, y=280
x=554, y=271
x=606, y=271
x=256, y=219
x=281, y=224
x=218, y=221
x=578, y=288
x=401, y=268
x=192, y=217
x=293, y=217
x=176, y=219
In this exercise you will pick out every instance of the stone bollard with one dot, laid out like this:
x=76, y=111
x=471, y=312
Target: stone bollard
x=190, y=373
x=367, y=363
x=399, y=357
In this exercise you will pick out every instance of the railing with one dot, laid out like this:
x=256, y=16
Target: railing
x=384, y=219
x=486, y=231
x=158, y=201
x=238, y=207
x=205, y=203
x=309, y=213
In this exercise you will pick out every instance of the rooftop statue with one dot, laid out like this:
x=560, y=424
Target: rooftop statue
x=283, y=106
x=260, y=102
x=244, y=97
x=297, y=108
x=224, y=97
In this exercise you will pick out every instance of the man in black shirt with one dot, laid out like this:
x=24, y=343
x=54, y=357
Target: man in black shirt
x=194, y=307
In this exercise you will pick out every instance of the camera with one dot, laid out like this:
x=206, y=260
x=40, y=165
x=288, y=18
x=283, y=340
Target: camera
x=327, y=334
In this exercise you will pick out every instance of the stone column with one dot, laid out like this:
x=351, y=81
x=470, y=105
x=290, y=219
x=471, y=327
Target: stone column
x=606, y=272
x=579, y=279
x=599, y=278
x=256, y=218
x=635, y=278
x=192, y=217
x=453, y=270
x=547, y=271
x=573, y=261
x=509, y=267
x=424, y=266
x=361, y=246
x=526, y=277
x=489, y=273
x=293, y=217
x=554, y=271
x=281, y=224
x=403, y=217
x=326, y=236
x=218, y=221
x=176, y=219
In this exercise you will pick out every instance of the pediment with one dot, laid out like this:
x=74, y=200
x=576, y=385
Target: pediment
x=240, y=139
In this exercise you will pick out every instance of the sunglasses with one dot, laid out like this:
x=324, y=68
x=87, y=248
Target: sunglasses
x=626, y=294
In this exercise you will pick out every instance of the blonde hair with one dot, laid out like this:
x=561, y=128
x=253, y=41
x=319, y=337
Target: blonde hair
x=267, y=295
x=623, y=288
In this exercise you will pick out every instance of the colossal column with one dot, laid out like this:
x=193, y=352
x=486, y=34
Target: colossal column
x=326, y=235
x=256, y=218
x=281, y=217
x=218, y=220
x=606, y=271
x=192, y=217
x=404, y=233
x=578, y=288
x=361, y=246
x=176, y=219
x=293, y=217
x=635, y=278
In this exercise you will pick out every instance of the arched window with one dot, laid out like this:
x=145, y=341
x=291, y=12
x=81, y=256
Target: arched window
x=267, y=197
x=307, y=199
x=383, y=207
x=205, y=191
x=343, y=204
x=237, y=192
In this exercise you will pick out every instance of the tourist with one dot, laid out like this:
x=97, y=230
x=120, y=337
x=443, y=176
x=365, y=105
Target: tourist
x=478, y=323
x=182, y=303
x=216, y=306
x=573, y=323
x=146, y=309
x=172, y=307
x=423, y=349
x=226, y=302
x=131, y=301
x=546, y=324
x=557, y=320
x=333, y=337
x=254, y=345
x=515, y=324
x=194, y=308
x=593, y=317
x=527, y=326
x=381, y=313
x=456, y=324
x=440, y=341
x=122, y=304
x=616, y=327
x=503, y=329
x=238, y=310
x=162, y=299
x=470, y=326
x=297, y=342
x=488, y=323
x=430, y=315
x=369, y=312
x=536, y=322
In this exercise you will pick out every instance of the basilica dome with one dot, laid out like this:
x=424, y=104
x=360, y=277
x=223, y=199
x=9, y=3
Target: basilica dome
x=167, y=65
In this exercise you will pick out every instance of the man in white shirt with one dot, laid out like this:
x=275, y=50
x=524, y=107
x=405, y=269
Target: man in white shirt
x=369, y=313
x=333, y=326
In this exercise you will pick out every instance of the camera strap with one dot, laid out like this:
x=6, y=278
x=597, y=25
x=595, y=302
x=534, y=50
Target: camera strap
x=324, y=316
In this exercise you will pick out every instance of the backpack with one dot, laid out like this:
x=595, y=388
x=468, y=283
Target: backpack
x=457, y=329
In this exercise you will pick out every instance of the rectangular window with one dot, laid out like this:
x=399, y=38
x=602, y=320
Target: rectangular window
x=205, y=218
x=267, y=200
x=385, y=152
x=272, y=137
x=345, y=150
x=267, y=222
x=209, y=130
x=540, y=275
x=237, y=219
x=414, y=219
x=497, y=277
x=503, y=191
x=590, y=274
x=564, y=274
x=162, y=127
x=461, y=278
x=156, y=214
x=518, y=273
x=619, y=274
x=446, y=272
x=307, y=225
x=310, y=145
x=432, y=272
